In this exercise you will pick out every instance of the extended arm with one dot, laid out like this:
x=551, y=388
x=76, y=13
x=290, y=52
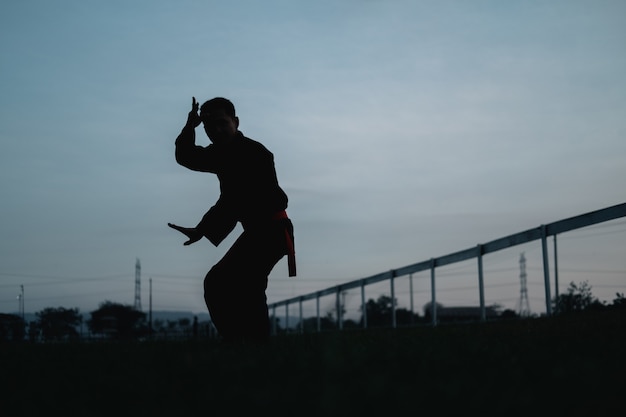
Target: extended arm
x=215, y=225
x=192, y=233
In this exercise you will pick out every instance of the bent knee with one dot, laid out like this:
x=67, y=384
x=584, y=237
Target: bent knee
x=214, y=280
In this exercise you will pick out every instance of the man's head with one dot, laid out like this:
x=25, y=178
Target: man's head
x=219, y=119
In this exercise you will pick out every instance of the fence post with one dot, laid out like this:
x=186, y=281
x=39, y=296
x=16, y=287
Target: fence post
x=393, y=299
x=411, y=297
x=317, y=307
x=433, y=297
x=546, y=269
x=363, y=305
x=339, y=318
x=556, y=270
x=301, y=318
x=481, y=287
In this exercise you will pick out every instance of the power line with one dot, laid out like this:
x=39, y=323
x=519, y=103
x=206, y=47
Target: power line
x=61, y=279
x=594, y=271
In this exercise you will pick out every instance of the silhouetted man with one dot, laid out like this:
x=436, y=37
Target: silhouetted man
x=234, y=288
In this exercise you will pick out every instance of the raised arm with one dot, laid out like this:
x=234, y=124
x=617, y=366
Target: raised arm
x=187, y=153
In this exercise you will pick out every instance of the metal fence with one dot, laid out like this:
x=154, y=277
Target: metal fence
x=538, y=233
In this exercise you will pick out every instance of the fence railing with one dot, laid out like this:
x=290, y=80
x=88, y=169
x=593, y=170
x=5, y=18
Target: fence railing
x=541, y=232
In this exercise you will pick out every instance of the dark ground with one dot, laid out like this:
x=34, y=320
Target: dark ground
x=559, y=366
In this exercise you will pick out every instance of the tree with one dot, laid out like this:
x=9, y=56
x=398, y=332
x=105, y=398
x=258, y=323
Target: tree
x=118, y=321
x=508, y=314
x=59, y=323
x=620, y=302
x=379, y=312
x=309, y=325
x=428, y=310
x=12, y=327
x=577, y=298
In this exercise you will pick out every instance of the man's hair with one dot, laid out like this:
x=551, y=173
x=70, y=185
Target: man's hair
x=218, y=104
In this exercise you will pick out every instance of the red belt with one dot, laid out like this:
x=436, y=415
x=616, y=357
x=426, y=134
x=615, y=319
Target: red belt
x=291, y=253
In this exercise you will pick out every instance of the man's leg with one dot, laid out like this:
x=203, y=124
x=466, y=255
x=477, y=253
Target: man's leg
x=235, y=286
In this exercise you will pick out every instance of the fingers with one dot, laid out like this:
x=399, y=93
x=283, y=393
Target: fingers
x=193, y=119
x=181, y=229
x=191, y=233
x=191, y=240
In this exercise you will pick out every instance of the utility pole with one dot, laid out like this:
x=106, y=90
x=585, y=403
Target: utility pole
x=137, y=285
x=20, y=302
x=150, y=312
x=524, y=307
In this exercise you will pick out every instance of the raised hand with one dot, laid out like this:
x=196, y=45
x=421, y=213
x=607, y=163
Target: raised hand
x=191, y=232
x=193, y=119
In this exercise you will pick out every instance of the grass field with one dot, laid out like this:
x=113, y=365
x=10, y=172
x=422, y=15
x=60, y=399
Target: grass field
x=560, y=366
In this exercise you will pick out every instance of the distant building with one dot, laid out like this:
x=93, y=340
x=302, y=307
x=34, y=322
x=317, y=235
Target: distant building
x=467, y=313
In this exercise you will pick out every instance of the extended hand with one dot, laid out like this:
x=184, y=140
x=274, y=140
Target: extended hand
x=193, y=119
x=191, y=232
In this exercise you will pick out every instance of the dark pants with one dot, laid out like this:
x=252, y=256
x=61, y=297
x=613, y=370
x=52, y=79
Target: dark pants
x=234, y=288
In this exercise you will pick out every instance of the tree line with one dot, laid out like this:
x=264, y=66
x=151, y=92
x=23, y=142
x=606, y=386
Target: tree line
x=123, y=322
x=111, y=321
